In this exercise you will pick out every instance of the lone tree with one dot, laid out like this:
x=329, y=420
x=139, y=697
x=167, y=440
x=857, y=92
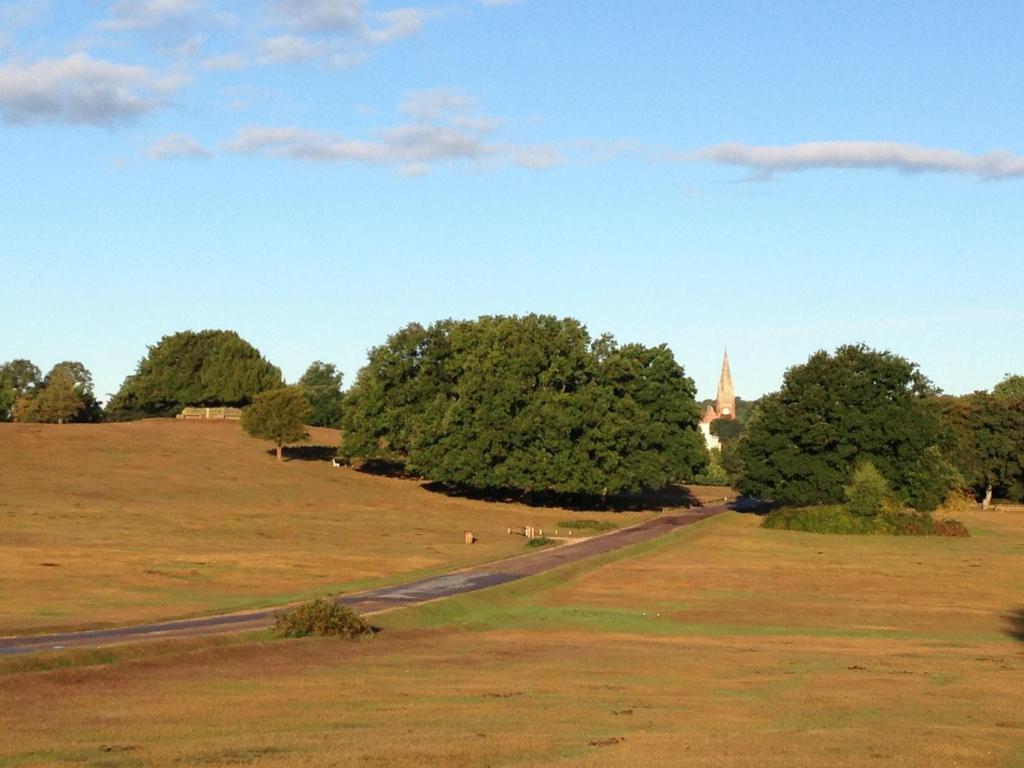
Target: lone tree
x=279, y=415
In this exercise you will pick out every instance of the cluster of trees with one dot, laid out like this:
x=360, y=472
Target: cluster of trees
x=190, y=368
x=858, y=405
x=985, y=438
x=529, y=404
x=65, y=394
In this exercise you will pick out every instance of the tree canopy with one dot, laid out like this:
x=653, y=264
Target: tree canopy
x=805, y=440
x=1011, y=386
x=64, y=395
x=17, y=378
x=986, y=442
x=279, y=415
x=530, y=404
x=202, y=368
x=321, y=384
x=55, y=402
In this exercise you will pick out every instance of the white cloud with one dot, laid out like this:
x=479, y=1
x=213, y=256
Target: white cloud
x=23, y=13
x=336, y=33
x=763, y=161
x=128, y=15
x=497, y=3
x=77, y=89
x=226, y=63
x=435, y=103
x=320, y=15
x=177, y=146
x=442, y=132
x=289, y=49
x=394, y=25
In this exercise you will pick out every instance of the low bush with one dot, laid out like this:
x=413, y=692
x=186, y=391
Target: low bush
x=839, y=519
x=588, y=525
x=832, y=519
x=539, y=541
x=322, y=617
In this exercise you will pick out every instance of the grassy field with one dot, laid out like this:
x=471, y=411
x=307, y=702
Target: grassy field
x=725, y=644
x=119, y=523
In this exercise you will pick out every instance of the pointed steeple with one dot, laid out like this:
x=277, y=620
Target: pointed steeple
x=725, y=403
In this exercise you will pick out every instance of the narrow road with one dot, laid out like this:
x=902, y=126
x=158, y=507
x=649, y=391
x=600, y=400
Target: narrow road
x=385, y=598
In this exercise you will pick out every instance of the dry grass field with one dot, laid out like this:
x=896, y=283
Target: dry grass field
x=724, y=644
x=123, y=523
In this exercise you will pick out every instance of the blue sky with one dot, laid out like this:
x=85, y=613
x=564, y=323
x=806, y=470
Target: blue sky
x=772, y=178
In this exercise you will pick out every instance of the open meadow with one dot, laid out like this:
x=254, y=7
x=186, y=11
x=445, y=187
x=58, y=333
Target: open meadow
x=124, y=523
x=722, y=644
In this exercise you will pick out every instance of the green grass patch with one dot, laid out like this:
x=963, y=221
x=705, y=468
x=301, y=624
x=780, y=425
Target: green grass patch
x=588, y=525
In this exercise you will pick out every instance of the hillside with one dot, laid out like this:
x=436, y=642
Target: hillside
x=121, y=523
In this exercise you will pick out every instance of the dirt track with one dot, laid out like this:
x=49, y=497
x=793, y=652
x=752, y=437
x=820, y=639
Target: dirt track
x=386, y=598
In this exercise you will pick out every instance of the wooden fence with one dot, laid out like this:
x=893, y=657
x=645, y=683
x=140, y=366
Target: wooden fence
x=231, y=414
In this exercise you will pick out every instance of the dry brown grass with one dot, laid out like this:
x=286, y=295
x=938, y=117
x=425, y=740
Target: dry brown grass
x=119, y=523
x=772, y=648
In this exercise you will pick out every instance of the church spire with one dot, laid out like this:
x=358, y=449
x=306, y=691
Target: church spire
x=725, y=403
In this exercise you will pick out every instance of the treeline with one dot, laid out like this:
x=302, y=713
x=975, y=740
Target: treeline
x=534, y=405
x=204, y=368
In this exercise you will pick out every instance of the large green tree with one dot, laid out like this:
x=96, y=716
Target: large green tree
x=279, y=415
x=204, y=368
x=525, y=403
x=400, y=380
x=321, y=384
x=804, y=441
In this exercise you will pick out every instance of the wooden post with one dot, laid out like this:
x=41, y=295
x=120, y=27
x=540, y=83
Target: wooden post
x=469, y=537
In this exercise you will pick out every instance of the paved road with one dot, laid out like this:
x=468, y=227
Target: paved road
x=376, y=600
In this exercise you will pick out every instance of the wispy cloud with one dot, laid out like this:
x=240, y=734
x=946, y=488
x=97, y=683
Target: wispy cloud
x=765, y=161
x=320, y=15
x=78, y=89
x=443, y=130
x=177, y=146
x=130, y=15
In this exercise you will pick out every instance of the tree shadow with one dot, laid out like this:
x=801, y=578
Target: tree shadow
x=383, y=468
x=1015, y=624
x=673, y=497
x=307, y=452
x=749, y=505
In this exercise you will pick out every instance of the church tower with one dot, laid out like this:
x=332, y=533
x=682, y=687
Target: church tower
x=725, y=404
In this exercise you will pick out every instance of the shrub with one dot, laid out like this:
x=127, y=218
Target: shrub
x=868, y=494
x=322, y=617
x=839, y=519
x=831, y=519
x=588, y=525
x=713, y=472
x=539, y=541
